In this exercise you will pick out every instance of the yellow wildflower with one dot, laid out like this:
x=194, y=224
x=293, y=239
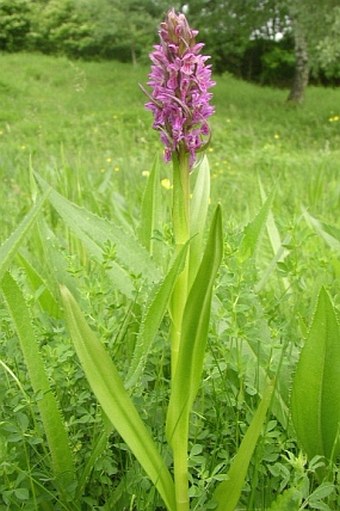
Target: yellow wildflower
x=166, y=183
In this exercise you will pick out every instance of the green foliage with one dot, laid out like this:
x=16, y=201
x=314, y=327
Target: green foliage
x=155, y=310
x=108, y=388
x=187, y=376
x=329, y=46
x=253, y=230
x=241, y=37
x=64, y=26
x=82, y=127
x=57, y=438
x=228, y=492
x=198, y=216
x=316, y=387
x=151, y=210
x=15, y=19
x=9, y=249
x=95, y=233
x=125, y=31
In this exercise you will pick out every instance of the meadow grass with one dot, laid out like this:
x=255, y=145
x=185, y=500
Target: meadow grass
x=83, y=128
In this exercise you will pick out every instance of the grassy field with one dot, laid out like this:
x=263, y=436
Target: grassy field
x=82, y=127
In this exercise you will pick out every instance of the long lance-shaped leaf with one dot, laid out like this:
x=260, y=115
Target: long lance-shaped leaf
x=315, y=402
x=198, y=216
x=154, y=314
x=62, y=459
x=252, y=231
x=9, y=249
x=40, y=286
x=108, y=387
x=95, y=232
x=228, y=492
x=195, y=326
x=279, y=250
x=150, y=211
x=330, y=234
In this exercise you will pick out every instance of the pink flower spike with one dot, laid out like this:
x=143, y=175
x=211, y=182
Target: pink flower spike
x=180, y=80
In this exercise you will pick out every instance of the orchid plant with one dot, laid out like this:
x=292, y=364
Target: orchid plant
x=179, y=99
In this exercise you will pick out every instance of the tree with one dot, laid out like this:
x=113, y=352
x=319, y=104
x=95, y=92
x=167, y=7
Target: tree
x=126, y=30
x=229, y=26
x=315, y=33
x=301, y=75
x=328, y=48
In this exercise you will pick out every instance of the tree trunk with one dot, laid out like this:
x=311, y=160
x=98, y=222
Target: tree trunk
x=301, y=76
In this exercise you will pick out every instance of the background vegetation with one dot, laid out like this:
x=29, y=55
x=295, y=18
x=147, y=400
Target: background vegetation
x=82, y=127
x=253, y=39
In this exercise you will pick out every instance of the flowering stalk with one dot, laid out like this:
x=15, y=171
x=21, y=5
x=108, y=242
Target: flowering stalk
x=179, y=101
x=180, y=81
x=181, y=226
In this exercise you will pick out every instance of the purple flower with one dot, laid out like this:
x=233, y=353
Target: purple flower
x=180, y=80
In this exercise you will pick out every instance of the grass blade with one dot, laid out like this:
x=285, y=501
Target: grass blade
x=150, y=211
x=315, y=403
x=330, y=234
x=278, y=247
x=9, y=249
x=107, y=386
x=252, y=231
x=62, y=459
x=39, y=285
x=227, y=494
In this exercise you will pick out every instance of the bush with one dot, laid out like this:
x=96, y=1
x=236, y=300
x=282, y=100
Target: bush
x=63, y=26
x=15, y=19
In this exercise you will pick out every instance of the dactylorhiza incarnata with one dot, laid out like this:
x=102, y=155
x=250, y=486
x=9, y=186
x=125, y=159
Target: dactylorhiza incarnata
x=180, y=80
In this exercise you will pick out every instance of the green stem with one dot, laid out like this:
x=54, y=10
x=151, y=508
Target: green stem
x=180, y=454
x=181, y=227
x=181, y=223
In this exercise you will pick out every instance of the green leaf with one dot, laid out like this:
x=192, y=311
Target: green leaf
x=278, y=247
x=150, y=212
x=9, y=249
x=315, y=402
x=228, y=492
x=95, y=232
x=289, y=500
x=54, y=259
x=62, y=459
x=194, y=334
x=39, y=285
x=198, y=216
x=330, y=234
x=153, y=316
x=252, y=231
x=108, y=388
x=99, y=444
